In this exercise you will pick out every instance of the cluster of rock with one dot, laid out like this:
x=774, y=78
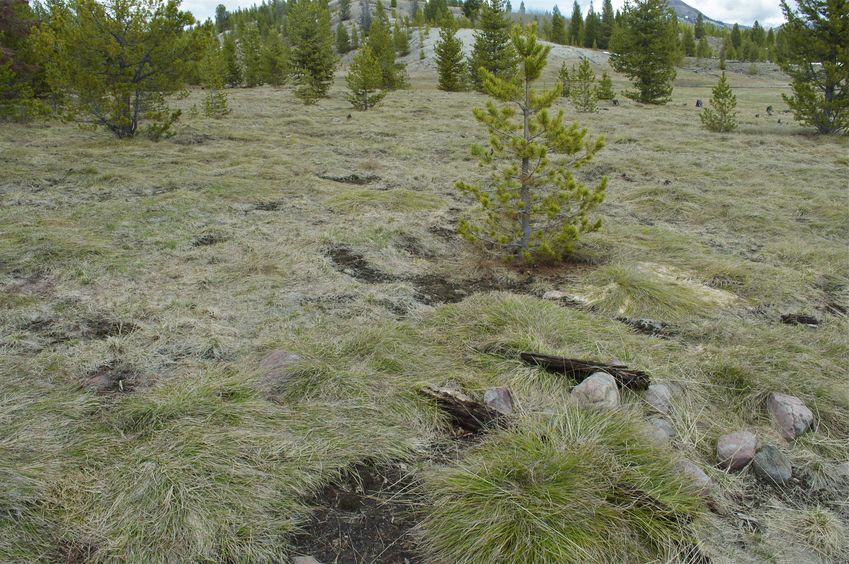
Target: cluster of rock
x=734, y=451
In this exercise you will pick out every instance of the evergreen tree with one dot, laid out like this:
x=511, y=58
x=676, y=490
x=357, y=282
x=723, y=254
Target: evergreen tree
x=364, y=80
x=576, y=25
x=605, y=88
x=275, y=59
x=222, y=18
x=401, y=40
x=21, y=79
x=355, y=37
x=583, y=91
x=119, y=62
x=699, y=30
x=558, y=27
x=393, y=3
x=365, y=17
x=213, y=72
x=383, y=48
x=471, y=9
x=565, y=80
x=449, y=58
x=736, y=37
x=605, y=26
x=233, y=74
x=688, y=44
x=644, y=48
x=492, y=50
x=249, y=44
x=343, y=40
x=721, y=116
x=508, y=7
x=533, y=206
x=703, y=50
x=591, y=26
x=312, y=60
x=758, y=34
x=414, y=10
x=817, y=31
x=344, y=10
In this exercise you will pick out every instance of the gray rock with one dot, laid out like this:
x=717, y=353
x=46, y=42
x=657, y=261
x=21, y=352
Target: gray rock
x=735, y=450
x=554, y=295
x=499, y=399
x=699, y=481
x=276, y=370
x=790, y=414
x=772, y=465
x=304, y=560
x=660, y=430
x=597, y=391
x=659, y=397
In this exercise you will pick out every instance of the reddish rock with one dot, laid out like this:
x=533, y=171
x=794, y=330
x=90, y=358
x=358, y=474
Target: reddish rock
x=735, y=450
x=698, y=480
x=499, y=399
x=790, y=414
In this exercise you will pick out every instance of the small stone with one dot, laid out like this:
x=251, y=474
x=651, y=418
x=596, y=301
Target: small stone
x=598, y=391
x=790, y=414
x=735, y=450
x=499, y=399
x=275, y=370
x=659, y=397
x=660, y=430
x=699, y=481
x=304, y=560
x=772, y=465
x=554, y=295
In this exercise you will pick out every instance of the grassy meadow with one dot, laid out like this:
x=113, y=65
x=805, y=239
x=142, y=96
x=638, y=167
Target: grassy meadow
x=167, y=271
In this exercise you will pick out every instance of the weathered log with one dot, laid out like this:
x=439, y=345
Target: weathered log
x=466, y=412
x=580, y=369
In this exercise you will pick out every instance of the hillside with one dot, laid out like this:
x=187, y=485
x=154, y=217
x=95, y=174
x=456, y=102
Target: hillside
x=687, y=13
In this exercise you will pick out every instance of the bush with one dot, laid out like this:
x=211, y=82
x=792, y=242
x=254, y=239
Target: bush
x=583, y=89
x=721, y=116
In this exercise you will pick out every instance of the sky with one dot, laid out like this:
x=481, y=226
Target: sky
x=767, y=12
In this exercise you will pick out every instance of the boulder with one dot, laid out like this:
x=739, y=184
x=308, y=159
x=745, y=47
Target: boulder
x=735, y=450
x=499, y=399
x=599, y=390
x=699, y=481
x=791, y=415
x=660, y=430
x=304, y=560
x=772, y=466
x=659, y=397
x=275, y=369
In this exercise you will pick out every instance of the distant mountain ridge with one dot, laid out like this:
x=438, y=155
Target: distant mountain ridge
x=689, y=14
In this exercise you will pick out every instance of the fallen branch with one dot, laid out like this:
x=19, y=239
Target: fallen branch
x=467, y=413
x=581, y=369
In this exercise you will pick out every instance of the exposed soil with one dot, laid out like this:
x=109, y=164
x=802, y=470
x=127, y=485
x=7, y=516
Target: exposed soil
x=353, y=178
x=97, y=327
x=113, y=378
x=800, y=319
x=208, y=239
x=646, y=326
x=354, y=264
x=366, y=517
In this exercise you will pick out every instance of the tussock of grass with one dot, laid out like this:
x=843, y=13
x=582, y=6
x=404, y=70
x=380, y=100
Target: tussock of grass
x=398, y=200
x=817, y=528
x=575, y=487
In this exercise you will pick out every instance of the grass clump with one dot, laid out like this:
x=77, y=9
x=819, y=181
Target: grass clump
x=816, y=528
x=575, y=487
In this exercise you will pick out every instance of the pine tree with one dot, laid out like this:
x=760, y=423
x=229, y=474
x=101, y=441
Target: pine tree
x=558, y=27
x=364, y=80
x=576, y=25
x=591, y=25
x=343, y=41
x=449, y=58
x=583, y=91
x=275, y=59
x=605, y=88
x=736, y=37
x=312, y=60
x=492, y=50
x=699, y=30
x=688, y=44
x=344, y=10
x=703, y=50
x=401, y=40
x=249, y=45
x=532, y=207
x=721, y=116
x=222, y=18
x=383, y=48
x=605, y=29
x=818, y=32
x=565, y=80
x=233, y=76
x=644, y=48
x=365, y=17
x=213, y=72
x=355, y=37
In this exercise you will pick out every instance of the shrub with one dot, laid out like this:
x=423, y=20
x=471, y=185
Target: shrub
x=721, y=116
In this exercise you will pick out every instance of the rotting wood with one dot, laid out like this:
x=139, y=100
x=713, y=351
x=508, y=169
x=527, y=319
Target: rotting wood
x=466, y=412
x=580, y=369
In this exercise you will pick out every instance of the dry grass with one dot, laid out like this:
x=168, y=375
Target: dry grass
x=183, y=263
